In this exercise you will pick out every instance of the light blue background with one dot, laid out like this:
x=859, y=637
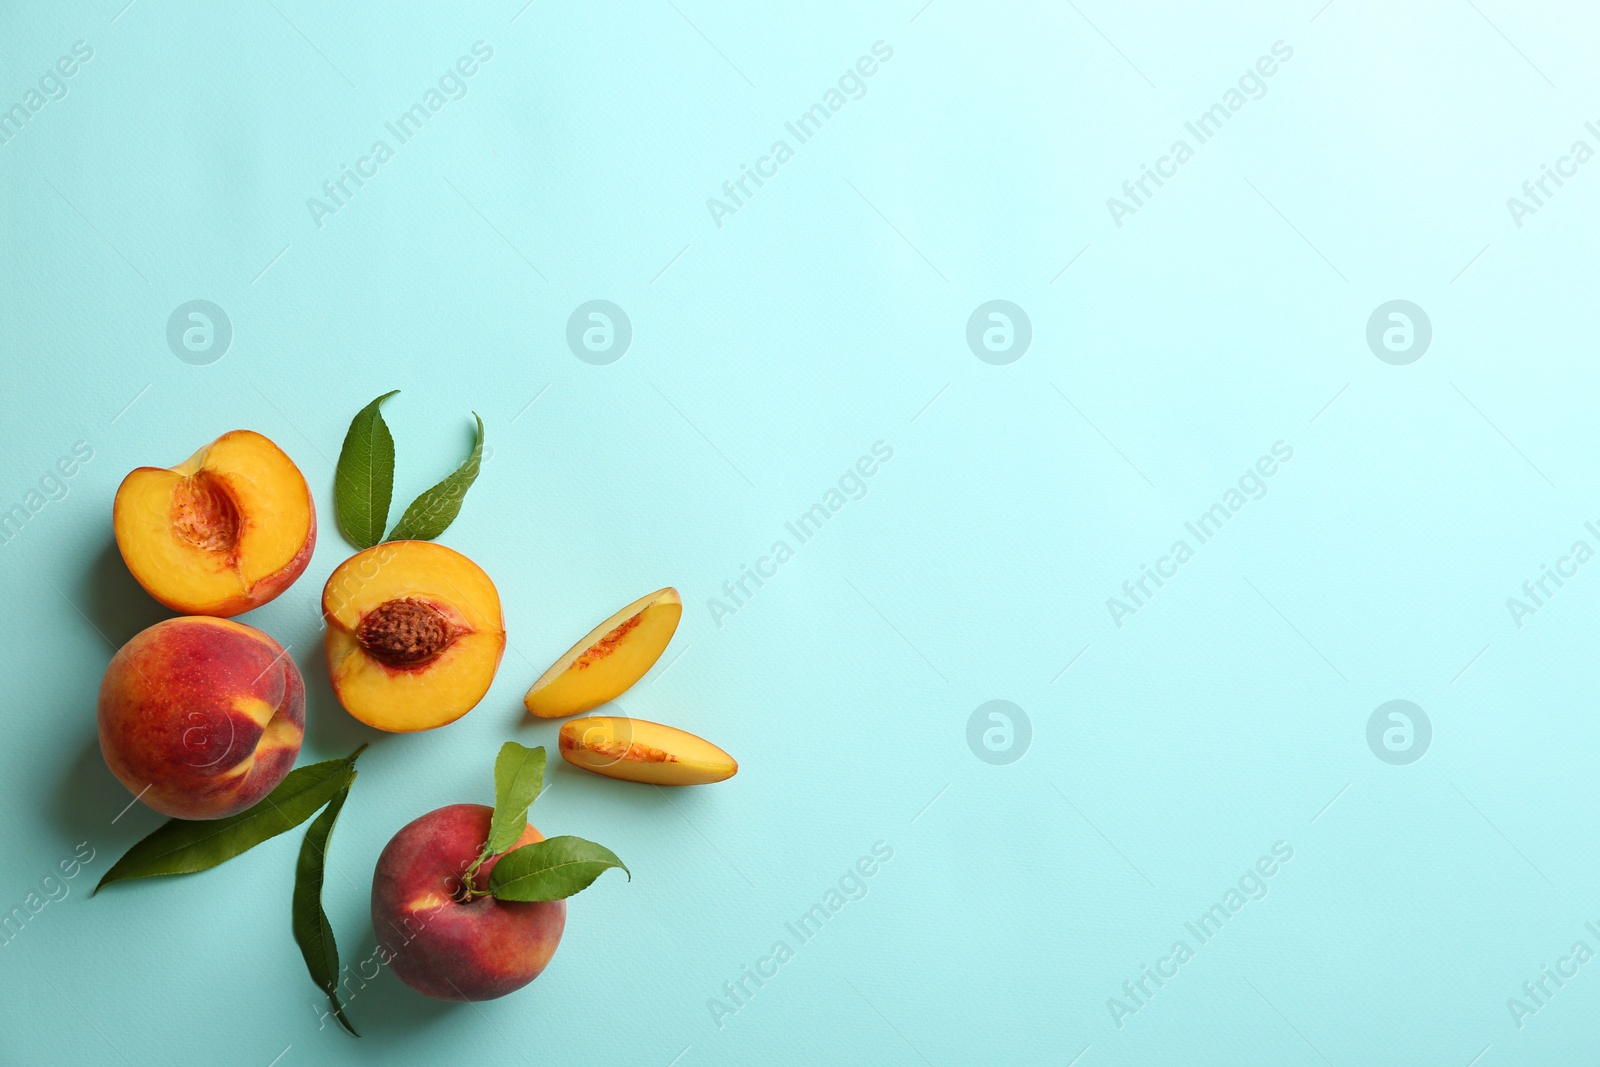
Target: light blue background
x=769, y=353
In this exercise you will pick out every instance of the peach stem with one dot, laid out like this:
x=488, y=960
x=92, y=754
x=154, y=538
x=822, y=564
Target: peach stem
x=469, y=890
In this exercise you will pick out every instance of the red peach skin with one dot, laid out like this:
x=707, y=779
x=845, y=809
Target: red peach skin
x=201, y=717
x=443, y=948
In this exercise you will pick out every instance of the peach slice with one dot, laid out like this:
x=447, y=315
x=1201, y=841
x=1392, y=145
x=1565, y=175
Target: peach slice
x=224, y=531
x=611, y=658
x=414, y=635
x=638, y=751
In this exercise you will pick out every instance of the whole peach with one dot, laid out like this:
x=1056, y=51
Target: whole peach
x=201, y=717
x=441, y=945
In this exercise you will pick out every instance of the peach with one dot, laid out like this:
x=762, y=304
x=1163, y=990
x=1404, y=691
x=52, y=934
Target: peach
x=439, y=942
x=609, y=659
x=224, y=531
x=638, y=751
x=201, y=717
x=414, y=637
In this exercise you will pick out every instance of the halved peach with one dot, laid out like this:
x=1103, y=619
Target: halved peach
x=638, y=751
x=611, y=658
x=224, y=531
x=414, y=635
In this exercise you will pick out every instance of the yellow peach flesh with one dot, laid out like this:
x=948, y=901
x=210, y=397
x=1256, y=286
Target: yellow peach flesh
x=225, y=531
x=609, y=659
x=638, y=751
x=405, y=687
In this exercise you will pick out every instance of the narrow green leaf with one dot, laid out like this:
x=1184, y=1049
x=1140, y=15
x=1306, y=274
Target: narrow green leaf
x=518, y=777
x=363, y=481
x=551, y=869
x=431, y=513
x=182, y=846
x=312, y=931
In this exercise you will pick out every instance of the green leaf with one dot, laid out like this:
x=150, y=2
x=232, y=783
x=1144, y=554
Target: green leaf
x=518, y=777
x=551, y=869
x=312, y=932
x=431, y=513
x=363, y=481
x=182, y=846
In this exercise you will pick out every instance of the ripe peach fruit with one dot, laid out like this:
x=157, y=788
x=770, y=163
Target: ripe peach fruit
x=414, y=635
x=224, y=531
x=611, y=658
x=639, y=751
x=442, y=944
x=201, y=717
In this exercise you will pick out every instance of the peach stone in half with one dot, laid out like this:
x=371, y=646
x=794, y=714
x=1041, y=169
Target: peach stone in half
x=414, y=637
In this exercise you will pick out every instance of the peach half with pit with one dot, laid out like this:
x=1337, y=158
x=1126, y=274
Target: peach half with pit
x=224, y=531
x=609, y=659
x=201, y=717
x=415, y=635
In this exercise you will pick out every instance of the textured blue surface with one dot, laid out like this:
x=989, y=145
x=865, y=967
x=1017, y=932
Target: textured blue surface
x=1177, y=741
